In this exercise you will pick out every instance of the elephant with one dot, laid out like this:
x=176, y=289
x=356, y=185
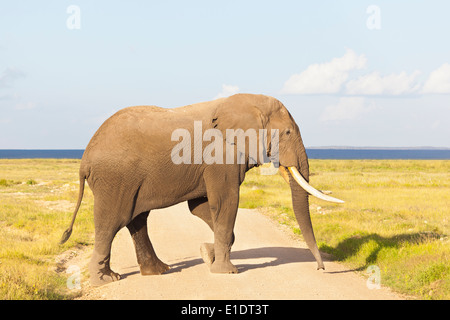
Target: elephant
x=130, y=168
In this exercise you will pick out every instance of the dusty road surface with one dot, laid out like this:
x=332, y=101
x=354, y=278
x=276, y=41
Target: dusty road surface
x=271, y=264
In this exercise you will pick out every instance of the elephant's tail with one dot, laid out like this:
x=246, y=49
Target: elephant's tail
x=68, y=232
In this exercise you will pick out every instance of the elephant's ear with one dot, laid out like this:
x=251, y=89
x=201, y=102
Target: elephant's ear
x=239, y=117
x=238, y=112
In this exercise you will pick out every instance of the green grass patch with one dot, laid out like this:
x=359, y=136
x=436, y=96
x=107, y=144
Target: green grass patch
x=396, y=217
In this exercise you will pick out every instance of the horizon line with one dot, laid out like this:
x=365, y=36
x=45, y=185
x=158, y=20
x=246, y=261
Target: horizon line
x=307, y=147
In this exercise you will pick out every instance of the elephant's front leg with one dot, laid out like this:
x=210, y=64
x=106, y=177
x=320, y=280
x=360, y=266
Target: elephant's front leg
x=223, y=202
x=200, y=208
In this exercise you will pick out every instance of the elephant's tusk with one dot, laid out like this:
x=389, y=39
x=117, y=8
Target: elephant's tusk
x=284, y=173
x=305, y=185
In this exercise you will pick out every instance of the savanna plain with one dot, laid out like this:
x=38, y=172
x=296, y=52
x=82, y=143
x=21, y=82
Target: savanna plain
x=396, y=218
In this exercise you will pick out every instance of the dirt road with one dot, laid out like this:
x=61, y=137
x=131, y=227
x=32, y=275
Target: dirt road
x=271, y=264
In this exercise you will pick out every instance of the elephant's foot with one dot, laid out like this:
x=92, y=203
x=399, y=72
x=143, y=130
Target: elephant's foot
x=223, y=267
x=103, y=276
x=100, y=271
x=207, y=253
x=155, y=268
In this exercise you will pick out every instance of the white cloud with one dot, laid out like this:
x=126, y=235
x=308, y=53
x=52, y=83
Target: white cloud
x=333, y=78
x=227, y=90
x=438, y=81
x=347, y=108
x=374, y=84
x=325, y=77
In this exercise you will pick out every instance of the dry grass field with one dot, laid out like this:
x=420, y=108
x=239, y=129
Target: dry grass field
x=37, y=198
x=396, y=217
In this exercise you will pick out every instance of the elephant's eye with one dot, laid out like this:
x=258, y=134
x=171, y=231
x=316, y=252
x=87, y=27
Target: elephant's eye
x=288, y=132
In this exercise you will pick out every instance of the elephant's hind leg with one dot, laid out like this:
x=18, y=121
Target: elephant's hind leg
x=148, y=262
x=99, y=267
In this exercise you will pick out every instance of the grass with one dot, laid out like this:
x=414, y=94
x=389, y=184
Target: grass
x=396, y=217
x=37, y=198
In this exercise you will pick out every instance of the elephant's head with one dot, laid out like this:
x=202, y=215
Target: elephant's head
x=247, y=111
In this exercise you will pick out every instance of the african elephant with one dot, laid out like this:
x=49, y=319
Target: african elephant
x=129, y=164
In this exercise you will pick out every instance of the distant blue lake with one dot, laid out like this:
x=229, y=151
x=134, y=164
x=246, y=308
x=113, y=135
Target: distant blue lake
x=41, y=154
x=315, y=153
x=424, y=154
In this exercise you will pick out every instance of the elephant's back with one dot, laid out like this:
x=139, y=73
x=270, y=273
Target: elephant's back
x=121, y=130
x=142, y=131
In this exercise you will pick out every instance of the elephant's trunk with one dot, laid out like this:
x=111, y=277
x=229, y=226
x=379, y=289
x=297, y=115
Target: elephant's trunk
x=300, y=204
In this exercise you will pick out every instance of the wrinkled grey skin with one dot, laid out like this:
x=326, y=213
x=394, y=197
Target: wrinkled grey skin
x=128, y=166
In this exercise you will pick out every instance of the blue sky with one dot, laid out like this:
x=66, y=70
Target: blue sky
x=352, y=73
